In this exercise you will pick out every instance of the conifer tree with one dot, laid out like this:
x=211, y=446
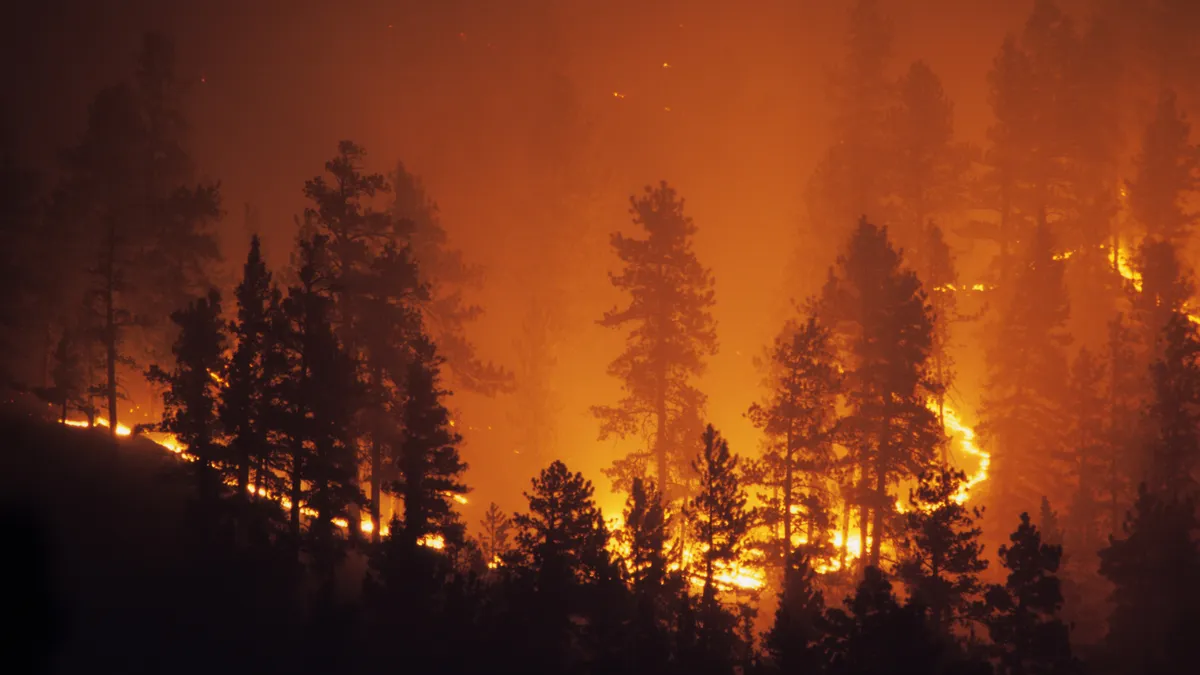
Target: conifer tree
x=926, y=164
x=429, y=469
x=319, y=399
x=671, y=332
x=719, y=524
x=943, y=560
x=941, y=276
x=879, y=317
x=190, y=402
x=645, y=534
x=1166, y=285
x=799, y=417
x=1028, y=372
x=876, y=634
x=1089, y=436
x=447, y=276
x=67, y=376
x=496, y=526
x=561, y=553
x=376, y=291
x=139, y=226
x=245, y=400
x=1174, y=412
x=1027, y=635
x=1155, y=571
x=794, y=642
x=1167, y=173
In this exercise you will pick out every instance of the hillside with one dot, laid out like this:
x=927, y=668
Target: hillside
x=113, y=577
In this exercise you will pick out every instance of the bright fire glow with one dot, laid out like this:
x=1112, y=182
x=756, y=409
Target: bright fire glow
x=122, y=430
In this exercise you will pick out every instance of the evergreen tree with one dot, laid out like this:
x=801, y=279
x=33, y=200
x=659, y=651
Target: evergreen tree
x=1165, y=286
x=1174, y=415
x=645, y=535
x=799, y=417
x=794, y=642
x=943, y=560
x=927, y=165
x=879, y=316
x=1028, y=372
x=377, y=294
x=245, y=399
x=1155, y=570
x=875, y=634
x=319, y=399
x=496, y=526
x=137, y=224
x=446, y=275
x=1027, y=635
x=1167, y=173
x=561, y=553
x=67, y=376
x=671, y=332
x=429, y=468
x=941, y=276
x=190, y=402
x=719, y=524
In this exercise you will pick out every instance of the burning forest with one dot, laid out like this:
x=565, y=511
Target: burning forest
x=575, y=337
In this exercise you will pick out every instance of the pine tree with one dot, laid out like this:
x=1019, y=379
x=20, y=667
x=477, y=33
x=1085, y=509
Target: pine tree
x=245, y=398
x=429, y=469
x=719, y=522
x=190, y=403
x=496, y=526
x=1027, y=635
x=943, y=559
x=1167, y=172
x=377, y=293
x=1028, y=372
x=927, y=166
x=879, y=316
x=1165, y=286
x=876, y=634
x=940, y=274
x=794, y=642
x=671, y=332
x=645, y=535
x=138, y=225
x=319, y=396
x=1174, y=443
x=447, y=275
x=1031, y=142
x=1155, y=570
x=799, y=417
x=561, y=552
x=67, y=376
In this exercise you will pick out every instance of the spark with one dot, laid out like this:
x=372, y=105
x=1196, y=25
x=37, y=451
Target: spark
x=617, y=94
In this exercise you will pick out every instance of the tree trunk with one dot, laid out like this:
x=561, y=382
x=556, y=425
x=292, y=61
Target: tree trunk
x=787, y=498
x=877, y=525
x=110, y=331
x=376, y=491
x=297, y=466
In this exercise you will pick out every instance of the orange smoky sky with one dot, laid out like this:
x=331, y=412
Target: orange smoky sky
x=726, y=100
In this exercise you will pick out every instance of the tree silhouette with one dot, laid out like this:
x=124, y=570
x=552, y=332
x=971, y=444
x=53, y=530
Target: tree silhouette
x=1166, y=171
x=447, y=275
x=795, y=640
x=879, y=317
x=943, y=559
x=190, y=401
x=1027, y=635
x=645, y=535
x=672, y=331
x=245, y=400
x=320, y=397
x=1027, y=376
x=926, y=164
x=719, y=523
x=496, y=526
x=799, y=417
x=429, y=469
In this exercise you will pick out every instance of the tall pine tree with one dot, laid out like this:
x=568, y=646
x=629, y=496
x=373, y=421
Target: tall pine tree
x=671, y=331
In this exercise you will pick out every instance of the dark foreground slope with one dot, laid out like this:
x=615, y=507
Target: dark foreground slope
x=109, y=571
